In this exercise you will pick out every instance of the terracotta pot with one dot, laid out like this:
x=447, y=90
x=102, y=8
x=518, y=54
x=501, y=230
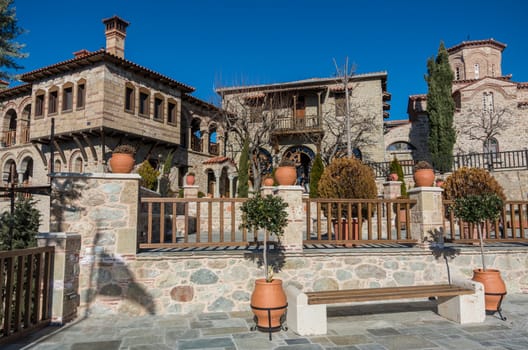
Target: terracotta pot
x=393, y=177
x=286, y=175
x=122, y=163
x=268, y=295
x=494, y=287
x=190, y=179
x=268, y=181
x=345, y=234
x=424, y=177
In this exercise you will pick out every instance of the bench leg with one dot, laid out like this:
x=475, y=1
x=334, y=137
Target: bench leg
x=302, y=318
x=464, y=309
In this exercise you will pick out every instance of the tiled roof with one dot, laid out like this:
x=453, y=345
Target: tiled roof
x=14, y=91
x=217, y=160
x=485, y=42
x=522, y=85
x=418, y=97
x=199, y=102
x=95, y=57
x=312, y=82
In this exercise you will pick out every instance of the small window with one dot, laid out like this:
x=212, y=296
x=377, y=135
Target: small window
x=171, y=113
x=39, y=105
x=487, y=102
x=143, y=104
x=77, y=165
x=57, y=167
x=491, y=145
x=477, y=71
x=457, y=73
x=52, y=102
x=158, y=108
x=129, y=99
x=67, y=99
x=81, y=95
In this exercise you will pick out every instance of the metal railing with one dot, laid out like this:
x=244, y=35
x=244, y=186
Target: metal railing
x=308, y=122
x=25, y=284
x=491, y=161
x=512, y=225
x=353, y=222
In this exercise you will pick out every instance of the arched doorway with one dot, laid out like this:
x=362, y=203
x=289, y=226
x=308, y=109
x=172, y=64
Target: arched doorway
x=303, y=157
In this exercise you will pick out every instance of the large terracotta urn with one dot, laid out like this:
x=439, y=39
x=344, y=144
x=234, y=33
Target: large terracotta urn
x=424, y=177
x=122, y=163
x=494, y=287
x=190, y=179
x=286, y=175
x=268, y=297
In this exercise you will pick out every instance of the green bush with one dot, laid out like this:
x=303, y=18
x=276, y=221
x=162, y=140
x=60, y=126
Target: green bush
x=149, y=175
x=396, y=168
x=315, y=175
x=25, y=223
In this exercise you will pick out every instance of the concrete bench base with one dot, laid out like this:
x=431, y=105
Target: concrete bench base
x=305, y=319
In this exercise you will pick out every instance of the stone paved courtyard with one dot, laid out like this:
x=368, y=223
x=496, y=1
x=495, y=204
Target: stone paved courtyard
x=393, y=326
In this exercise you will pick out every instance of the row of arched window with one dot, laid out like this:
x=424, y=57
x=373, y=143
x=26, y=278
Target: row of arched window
x=142, y=102
x=60, y=99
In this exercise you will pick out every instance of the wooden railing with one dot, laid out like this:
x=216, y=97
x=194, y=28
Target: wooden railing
x=363, y=221
x=306, y=123
x=215, y=222
x=192, y=222
x=512, y=225
x=25, y=281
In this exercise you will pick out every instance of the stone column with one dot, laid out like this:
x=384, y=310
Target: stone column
x=391, y=189
x=292, y=241
x=65, y=274
x=427, y=215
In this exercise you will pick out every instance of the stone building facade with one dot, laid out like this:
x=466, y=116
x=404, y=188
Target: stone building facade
x=491, y=109
x=94, y=102
x=309, y=116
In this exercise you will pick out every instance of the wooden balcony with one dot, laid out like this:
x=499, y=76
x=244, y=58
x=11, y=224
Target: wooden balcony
x=9, y=138
x=297, y=125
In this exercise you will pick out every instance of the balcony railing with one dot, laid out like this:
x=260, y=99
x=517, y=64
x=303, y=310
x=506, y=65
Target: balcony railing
x=196, y=144
x=490, y=161
x=9, y=138
x=307, y=123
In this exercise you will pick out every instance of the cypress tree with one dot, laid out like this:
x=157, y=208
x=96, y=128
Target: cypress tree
x=315, y=174
x=440, y=109
x=243, y=171
x=396, y=168
x=9, y=30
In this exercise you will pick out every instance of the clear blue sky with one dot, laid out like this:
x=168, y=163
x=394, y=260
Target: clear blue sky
x=206, y=43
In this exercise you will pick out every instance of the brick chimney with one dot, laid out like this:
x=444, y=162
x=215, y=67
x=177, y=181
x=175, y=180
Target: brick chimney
x=115, y=31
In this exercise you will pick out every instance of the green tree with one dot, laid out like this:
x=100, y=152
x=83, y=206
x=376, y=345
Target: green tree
x=243, y=171
x=396, y=168
x=18, y=231
x=9, y=30
x=440, y=109
x=149, y=175
x=315, y=175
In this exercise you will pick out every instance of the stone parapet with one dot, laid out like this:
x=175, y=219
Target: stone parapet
x=427, y=215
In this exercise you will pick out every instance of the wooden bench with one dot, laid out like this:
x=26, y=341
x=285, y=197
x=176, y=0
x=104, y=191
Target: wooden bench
x=462, y=302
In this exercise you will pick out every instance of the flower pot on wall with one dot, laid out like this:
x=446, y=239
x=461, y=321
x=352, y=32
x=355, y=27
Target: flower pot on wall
x=190, y=179
x=494, y=287
x=424, y=177
x=286, y=175
x=268, y=297
x=122, y=163
x=268, y=181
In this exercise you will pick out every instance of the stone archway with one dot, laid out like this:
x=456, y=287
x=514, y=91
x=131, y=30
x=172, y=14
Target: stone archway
x=221, y=173
x=303, y=157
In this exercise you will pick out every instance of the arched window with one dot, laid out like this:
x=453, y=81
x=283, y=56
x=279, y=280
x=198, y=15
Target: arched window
x=196, y=135
x=67, y=97
x=400, y=146
x=213, y=140
x=491, y=145
x=10, y=135
x=10, y=174
x=53, y=100
x=57, y=167
x=342, y=152
x=130, y=98
x=77, y=164
x=81, y=94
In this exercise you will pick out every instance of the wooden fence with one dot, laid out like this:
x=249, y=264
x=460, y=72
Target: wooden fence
x=25, y=280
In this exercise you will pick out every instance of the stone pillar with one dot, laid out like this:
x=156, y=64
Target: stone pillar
x=292, y=241
x=391, y=189
x=191, y=191
x=65, y=274
x=427, y=215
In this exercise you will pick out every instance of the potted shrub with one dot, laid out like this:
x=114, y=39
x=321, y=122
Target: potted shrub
x=122, y=160
x=423, y=174
x=347, y=178
x=268, y=214
x=286, y=172
x=268, y=180
x=396, y=169
x=477, y=209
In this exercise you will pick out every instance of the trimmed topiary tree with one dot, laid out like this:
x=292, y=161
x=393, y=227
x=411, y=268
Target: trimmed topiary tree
x=315, y=175
x=465, y=182
x=18, y=231
x=149, y=175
